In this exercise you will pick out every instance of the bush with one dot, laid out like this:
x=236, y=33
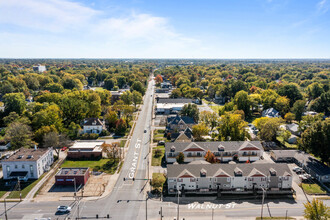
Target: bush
x=158, y=152
x=96, y=168
x=89, y=136
x=104, y=133
x=158, y=180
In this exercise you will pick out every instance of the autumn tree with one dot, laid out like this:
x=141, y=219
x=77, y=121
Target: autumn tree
x=190, y=110
x=159, y=79
x=316, y=210
x=199, y=130
x=289, y=117
x=209, y=157
x=232, y=128
x=14, y=102
x=126, y=97
x=136, y=98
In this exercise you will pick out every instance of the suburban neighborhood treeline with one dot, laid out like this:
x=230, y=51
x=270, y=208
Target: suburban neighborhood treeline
x=268, y=95
x=42, y=105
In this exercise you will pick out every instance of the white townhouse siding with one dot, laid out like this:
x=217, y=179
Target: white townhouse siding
x=27, y=163
x=224, y=151
x=203, y=177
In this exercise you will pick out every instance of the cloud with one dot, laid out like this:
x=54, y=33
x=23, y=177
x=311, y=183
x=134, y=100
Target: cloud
x=323, y=6
x=82, y=30
x=46, y=15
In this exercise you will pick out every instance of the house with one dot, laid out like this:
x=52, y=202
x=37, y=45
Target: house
x=310, y=164
x=164, y=90
x=312, y=113
x=271, y=113
x=115, y=96
x=4, y=146
x=292, y=139
x=39, y=68
x=204, y=178
x=86, y=149
x=182, y=136
x=166, y=85
x=179, y=123
x=168, y=108
x=174, y=101
x=293, y=128
x=224, y=151
x=93, y=126
x=71, y=176
x=27, y=163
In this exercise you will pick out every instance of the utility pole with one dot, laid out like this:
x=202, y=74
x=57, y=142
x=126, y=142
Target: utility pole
x=75, y=189
x=147, y=207
x=19, y=189
x=6, y=217
x=286, y=215
x=263, y=198
x=212, y=213
x=178, y=214
x=161, y=213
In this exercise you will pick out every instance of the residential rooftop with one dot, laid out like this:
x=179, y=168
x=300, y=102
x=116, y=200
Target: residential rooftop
x=72, y=171
x=27, y=154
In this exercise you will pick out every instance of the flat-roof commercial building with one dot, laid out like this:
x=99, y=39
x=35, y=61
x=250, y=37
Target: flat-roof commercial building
x=86, y=149
x=67, y=176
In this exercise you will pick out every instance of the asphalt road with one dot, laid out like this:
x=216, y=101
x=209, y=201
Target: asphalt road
x=126, y=198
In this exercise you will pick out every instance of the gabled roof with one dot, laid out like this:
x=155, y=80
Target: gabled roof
x=271, y=112
x=221, y=173
x=92, y=122
x=193, y=147
x=257, y=173
x=214, y=146
x=176, y=170
x=176, y=119
x=171, y=100
x=186, y=174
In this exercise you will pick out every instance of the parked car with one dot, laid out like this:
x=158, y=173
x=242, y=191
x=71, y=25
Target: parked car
x=145, y=131
x=64, y=208
x=161, y=142
x=64, y=148
x=296, y=169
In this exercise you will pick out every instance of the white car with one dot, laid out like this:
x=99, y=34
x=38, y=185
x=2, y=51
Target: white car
x=296, y=169
x=63, y=208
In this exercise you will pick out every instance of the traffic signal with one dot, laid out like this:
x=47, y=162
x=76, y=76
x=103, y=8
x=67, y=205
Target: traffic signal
x=124, y=178
x=108, y=216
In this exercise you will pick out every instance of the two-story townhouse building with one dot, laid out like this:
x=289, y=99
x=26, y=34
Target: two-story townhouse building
x=202, y=177
x=178, y=123
x=224, y=151
x=27, y=163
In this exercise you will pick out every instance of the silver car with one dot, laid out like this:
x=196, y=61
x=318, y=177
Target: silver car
x=63, y=208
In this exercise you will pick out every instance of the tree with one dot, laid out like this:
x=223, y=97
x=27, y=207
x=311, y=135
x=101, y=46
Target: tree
x=121, y=127
x=211, y=119
x=14, y=102
x=158, y=181
x=289, y=117
x=232, y=128
x=316, y=210
x=176, y=93
x=109, y=84
x=54, y=87
x=199, y=130
x=51, y=115
x=19, y=135
x=190, y=110
x=291, y=91
x=285, y=135
x=72, y=83
x=316, y=140
x=136, y=98
x=209, y=157
x=112, y=150
x=268, y=127
x=73, y=130
x=137, y=86
x=42, y=131
x=314, y=90
x=126, y=97
x=268, y=98
x=111, y=119
x=282, y=104
x=56, y=141
x=180, y=158
x=298, y=109
x=242, y=102
x=308, y=120
x=159, y=79
x=322, y=103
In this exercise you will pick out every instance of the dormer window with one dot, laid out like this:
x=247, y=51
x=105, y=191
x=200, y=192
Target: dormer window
x=203, y=173
x=272, y=172
x=20, y=157
x=172, y=149
x=29, y=157
x=238, y=172
x=221, y=148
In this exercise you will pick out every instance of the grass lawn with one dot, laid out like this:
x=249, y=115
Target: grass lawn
x=26, y=188
x=105, y=165
x=98, y=88
x=158, y=180
x=122, y=143
x=286, y=144
x=259, y=218
x=313, y=188
x=157, y=161
x=2, y=193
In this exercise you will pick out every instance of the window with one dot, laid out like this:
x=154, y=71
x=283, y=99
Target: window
x=196, y=186
x=198, y=154
x=16, y=166
x=23, y=166
x=210, y=186
x=31, y=170
x=59, y=180
x=8, y=169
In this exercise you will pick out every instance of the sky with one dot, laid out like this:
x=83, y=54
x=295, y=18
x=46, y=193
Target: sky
x=165, y=29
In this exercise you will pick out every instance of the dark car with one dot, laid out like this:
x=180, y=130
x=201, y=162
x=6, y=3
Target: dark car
x=145, y=131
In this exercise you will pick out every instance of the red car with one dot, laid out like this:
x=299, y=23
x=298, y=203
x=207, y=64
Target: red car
x=64, y=148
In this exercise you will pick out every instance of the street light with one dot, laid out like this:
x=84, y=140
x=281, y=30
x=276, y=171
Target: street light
x=178, y=213
x=5, y=209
